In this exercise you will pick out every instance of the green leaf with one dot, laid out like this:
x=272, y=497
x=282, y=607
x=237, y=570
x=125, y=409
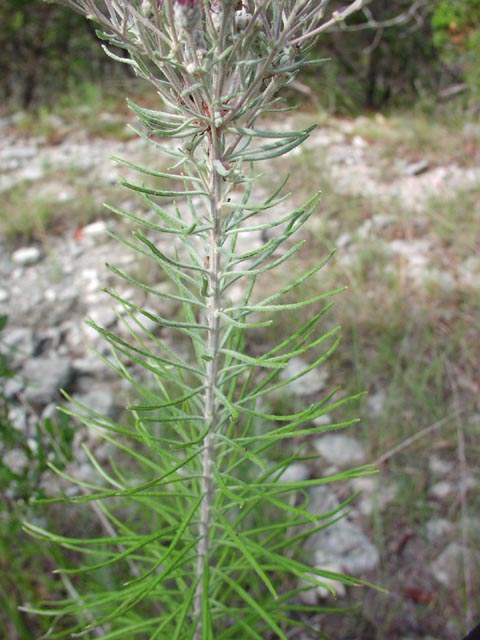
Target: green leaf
x=252, y=604
x=159, y=192
x=183, y=623
x=270, y=151
x=152, y=172
x=265, y=133
x=256, y=362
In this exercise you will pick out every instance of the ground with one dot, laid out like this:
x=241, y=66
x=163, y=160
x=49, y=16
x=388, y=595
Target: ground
x=401, y=205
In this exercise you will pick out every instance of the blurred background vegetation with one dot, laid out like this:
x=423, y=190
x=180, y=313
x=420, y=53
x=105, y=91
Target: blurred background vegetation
x=45, y=52
x=400, y=51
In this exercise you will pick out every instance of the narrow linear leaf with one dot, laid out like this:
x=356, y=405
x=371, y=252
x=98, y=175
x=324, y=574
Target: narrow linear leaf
x=253, y=604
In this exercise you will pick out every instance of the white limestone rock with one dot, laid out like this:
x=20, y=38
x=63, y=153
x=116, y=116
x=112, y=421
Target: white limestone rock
x=343, y=544
x=45, y=376
x=26, y=256
x=95, y=231
x=438, y=530
x=306, y=385
x=295, y=472
x=16, y=460
x=340, y=450
x=447, y=567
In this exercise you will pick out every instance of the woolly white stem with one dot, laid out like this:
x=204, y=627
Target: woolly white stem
x=210, y=408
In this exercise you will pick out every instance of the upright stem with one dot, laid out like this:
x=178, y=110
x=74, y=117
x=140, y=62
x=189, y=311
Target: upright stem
x=210, y=407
